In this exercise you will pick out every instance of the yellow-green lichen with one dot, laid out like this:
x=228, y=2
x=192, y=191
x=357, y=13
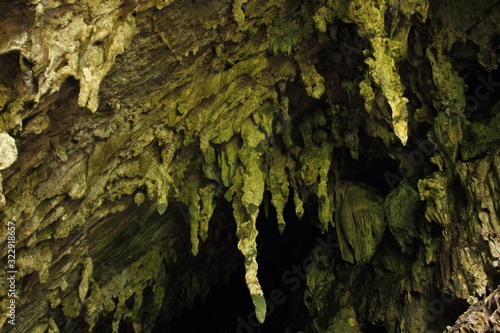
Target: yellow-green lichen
x=146, y=271
x=312, y=80
x=450, y=88
x=315, y=161
x=248, y=188
x=83, y=288
x=360, y=222
x=200, y=200
x=322, y=17
x=383, y=72
x=71, y=305
x=315, y=165
x=36, y=259
x=366, y=91
x=401, y=209
x=238, y=14
x=435, y=192
x=387, y=48
x=278, y=184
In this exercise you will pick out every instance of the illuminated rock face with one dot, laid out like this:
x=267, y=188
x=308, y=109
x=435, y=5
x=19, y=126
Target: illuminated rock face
x=143, y=140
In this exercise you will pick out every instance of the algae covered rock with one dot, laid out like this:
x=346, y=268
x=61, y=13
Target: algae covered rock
x=361, y=222
x=151, y=149
x=401, y=206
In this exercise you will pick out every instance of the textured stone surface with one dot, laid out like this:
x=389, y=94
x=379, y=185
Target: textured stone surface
x=482, y=316
x=8, y=151
x=152, y=133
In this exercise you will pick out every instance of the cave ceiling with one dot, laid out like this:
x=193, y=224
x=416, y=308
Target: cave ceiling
x=144, y=143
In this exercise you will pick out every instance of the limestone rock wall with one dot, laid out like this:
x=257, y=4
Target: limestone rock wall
x=381, y=116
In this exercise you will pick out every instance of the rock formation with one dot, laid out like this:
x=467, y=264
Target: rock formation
x=151, y=149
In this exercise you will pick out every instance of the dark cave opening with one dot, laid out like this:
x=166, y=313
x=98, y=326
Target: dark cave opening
x=282, y=259
x=282, y=262
x=482, y=93
x=382, y=174
x=483, y=87
x=219, y=312
x=9, y=66
x=374, y=329
x=228, y=306
x=454, y=307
